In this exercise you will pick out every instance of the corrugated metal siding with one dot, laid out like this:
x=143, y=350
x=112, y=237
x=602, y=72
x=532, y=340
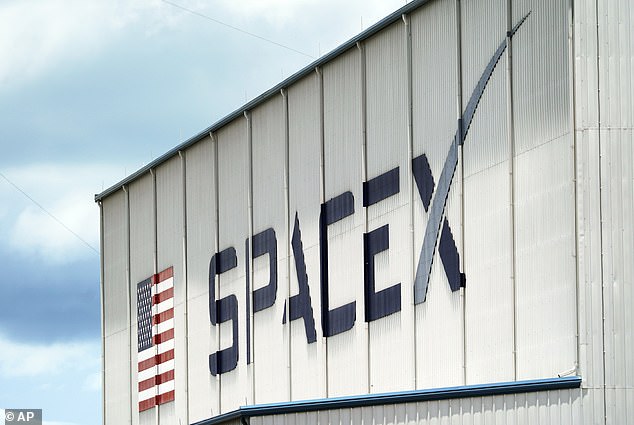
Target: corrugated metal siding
x=115, y=246
x=489, y=332
x=170, y=253
x=391, y=338
x=616, y=94
x=308, y=360
x=548, y=407
x=545, y=274
x=117, y=329
x=142, y=258
x=544, y=191
x=586, y=114
x=270, y=338
x=439, y=335
x=201, y=241
x=483, y=28
x=233, y=191
x=117, y=379
x=343, y=150
x=541, y=73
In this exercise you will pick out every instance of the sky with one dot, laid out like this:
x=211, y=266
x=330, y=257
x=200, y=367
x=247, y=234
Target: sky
x=91, y=91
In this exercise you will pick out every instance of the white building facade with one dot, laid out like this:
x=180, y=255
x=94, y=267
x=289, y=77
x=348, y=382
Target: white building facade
x=431, y=224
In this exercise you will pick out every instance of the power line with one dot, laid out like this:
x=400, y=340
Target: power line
x=236, y=28
x=48, y=213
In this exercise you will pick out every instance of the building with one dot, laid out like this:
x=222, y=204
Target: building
x=431, y=224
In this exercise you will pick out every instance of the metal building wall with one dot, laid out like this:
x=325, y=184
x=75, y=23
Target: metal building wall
x=543, y=192
x=170, y=240
x=269, y=353
x=543, y=408
x=343, y=172
x=234, y=215
x=117, y=372
x=387, y=147
x=439, y=320
x=616, y=135
x=201, y=209
x=531, y=235
x=307, y=358
x=604, y=124
x=142, y=218
x=489, y=332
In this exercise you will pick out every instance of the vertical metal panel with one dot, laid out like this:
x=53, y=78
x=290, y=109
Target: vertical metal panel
x=617, y=157
x=115, y=241
x=391, y=349
x=483, y=24
x=170, y=253
x=117, y=379
x=616, y=124
x=308, y=360
x=142, y=254
x=545, y=274
x=616, y=68
x=439, y=339
x=116, y=327
x=270, y=353
x=489, y=348
x=589, y=270
x=489, y=331
x=589, y=255
x=233, y=191
x=201, y=236
x=541, y=81
x=343, y=149
x=544, y=191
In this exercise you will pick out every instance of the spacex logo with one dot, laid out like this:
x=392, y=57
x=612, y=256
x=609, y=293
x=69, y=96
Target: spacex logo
x=433, y=193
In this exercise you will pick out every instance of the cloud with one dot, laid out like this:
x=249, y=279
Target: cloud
x=46, y=360
x=93, y=382
x=67, y=193
x=39, y=35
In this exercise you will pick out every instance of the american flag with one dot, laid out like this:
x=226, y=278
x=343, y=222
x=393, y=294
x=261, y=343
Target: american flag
x=155, y=313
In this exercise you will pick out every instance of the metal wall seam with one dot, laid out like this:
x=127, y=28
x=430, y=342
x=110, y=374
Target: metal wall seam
x=287, y=226
x=364, y=178
x=216, y=282
x=410, y=178
x=157, y=413
x=322, y=188
x=511, y=141
x=102, y=314
x=181, y=154
x=576, y=170
x=601, y=212
x=459, y=109
x=249, y=255
x=129, y=300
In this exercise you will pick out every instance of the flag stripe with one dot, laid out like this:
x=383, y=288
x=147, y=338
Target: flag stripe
x=163, y=336
x=164, y=398
x=162, y=296
x=161, y=317
x=166, y=274
x=147, y=404
x=148, y=383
